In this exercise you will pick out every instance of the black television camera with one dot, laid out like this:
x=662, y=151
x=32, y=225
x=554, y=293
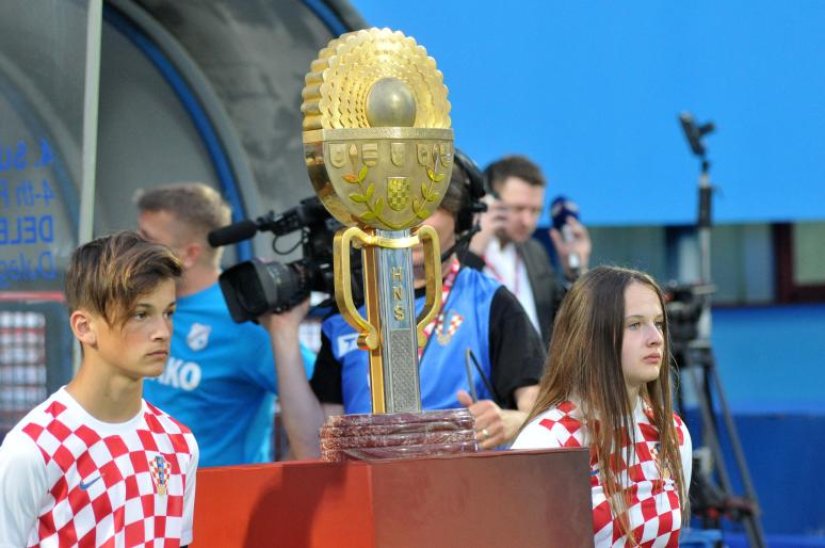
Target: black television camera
x=684, y=304
x=254, y=287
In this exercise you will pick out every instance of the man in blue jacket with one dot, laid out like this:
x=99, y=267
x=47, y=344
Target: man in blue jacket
x=220, y=376
x=477, y=313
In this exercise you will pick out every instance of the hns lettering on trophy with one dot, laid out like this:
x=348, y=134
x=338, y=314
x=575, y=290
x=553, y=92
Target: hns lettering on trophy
x=398, y=293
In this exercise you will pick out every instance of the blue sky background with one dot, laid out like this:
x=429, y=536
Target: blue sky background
x=592, y=91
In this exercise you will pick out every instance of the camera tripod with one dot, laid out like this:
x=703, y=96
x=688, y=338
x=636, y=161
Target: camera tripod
x=709, y=501
x=690, y=335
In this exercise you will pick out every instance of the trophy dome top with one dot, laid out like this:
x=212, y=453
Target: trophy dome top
x=374, y=78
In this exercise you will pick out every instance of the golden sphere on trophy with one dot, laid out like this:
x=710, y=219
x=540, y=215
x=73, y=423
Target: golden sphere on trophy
x=390, y=103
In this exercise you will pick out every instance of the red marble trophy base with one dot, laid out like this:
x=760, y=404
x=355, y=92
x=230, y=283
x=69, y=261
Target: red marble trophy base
x=489, y=498
x=397, y=435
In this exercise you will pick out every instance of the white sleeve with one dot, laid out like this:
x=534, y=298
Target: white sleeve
x=189, y=495
x=535, y=436
x=23, y=486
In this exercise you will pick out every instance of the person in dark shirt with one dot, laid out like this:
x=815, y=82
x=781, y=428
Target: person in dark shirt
x=477, y=313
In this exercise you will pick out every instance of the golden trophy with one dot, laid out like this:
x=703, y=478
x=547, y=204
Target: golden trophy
x=379, y=151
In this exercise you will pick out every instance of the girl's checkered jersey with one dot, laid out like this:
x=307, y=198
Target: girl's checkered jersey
x=655, y=515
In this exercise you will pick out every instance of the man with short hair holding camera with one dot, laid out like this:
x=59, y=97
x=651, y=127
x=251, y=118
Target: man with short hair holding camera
x=220, y=375
x=505, y=249
x=483, y=316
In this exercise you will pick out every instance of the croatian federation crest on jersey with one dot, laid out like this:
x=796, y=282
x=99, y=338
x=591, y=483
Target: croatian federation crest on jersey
x=449, y=324
x=198, y=336
x=159, y=468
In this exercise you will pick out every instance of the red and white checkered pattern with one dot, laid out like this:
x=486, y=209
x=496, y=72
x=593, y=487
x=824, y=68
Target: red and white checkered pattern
x=436, y=324
x=444, y=335
x=655, y=517
x=101, y=485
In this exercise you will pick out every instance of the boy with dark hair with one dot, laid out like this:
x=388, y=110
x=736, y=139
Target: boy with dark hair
x=95, y=465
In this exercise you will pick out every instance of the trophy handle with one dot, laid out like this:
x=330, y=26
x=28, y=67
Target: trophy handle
x=342, y=244
x=432, y=271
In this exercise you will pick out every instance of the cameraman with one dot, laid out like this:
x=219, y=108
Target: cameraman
x=220, y=377
x=509, y=349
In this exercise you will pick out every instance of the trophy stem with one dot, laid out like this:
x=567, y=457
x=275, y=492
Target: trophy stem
x=397, y=357
x=371, y=303
x=391, y=330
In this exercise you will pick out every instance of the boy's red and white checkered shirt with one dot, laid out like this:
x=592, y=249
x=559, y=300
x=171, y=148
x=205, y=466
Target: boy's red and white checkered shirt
x=655, y=516
x=125, y=484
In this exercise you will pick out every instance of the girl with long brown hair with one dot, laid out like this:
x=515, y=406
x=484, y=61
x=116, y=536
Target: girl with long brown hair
x=607, y=387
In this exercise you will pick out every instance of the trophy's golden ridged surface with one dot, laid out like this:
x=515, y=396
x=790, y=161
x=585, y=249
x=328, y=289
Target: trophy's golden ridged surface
x=377, y=137
x=340, y=80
